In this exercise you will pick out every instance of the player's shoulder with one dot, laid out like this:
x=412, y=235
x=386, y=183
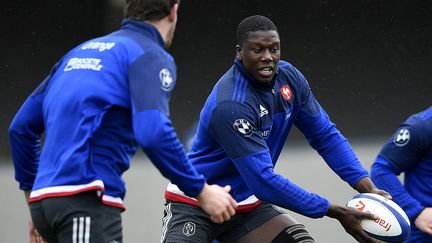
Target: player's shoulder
x=232, y=94
x=288, y=67
x=108, y=47
x=231, y=87
x=289, y=71
x=231, y=110
x=425, y=115
x=421, y=120
x=96, y=46
x=137, y=45
x=420, y=123
x=415, y=130
x=291, y=76
x=155, y=52
x=231, y=106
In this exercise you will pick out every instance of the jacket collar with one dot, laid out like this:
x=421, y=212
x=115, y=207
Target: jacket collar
x=144, y=28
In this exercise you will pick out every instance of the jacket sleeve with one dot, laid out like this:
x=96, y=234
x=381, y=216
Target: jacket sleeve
x=384, y=175
x=234, y=127
x=402, y=152
x=24, y=137
x=151, y=81
x=325, y=138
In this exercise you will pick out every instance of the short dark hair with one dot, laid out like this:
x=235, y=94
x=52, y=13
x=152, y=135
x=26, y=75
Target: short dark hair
x=252, y=24
x=148, y=9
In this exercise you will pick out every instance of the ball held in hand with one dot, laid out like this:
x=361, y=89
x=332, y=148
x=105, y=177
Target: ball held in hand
x=392, y=225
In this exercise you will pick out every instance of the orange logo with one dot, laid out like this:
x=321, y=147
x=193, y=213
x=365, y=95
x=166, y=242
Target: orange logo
x=286, y=92
x=360, y=206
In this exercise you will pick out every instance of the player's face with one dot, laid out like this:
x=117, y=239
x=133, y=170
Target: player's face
x=260, y=54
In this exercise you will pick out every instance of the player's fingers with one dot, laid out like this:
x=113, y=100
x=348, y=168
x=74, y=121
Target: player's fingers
x=41, y=239
x=427, y=230
x=227, y=188
x=216, y=219
x=360, y=239
x=366, y=238
x=231, y=210
x=32, y=236
x=213, y=219
x=369, y=239
x=38, y=237
x=385, y=194
x=355, y=234
x=32, y=239
x=226, y=215
x=382, y=193
x=370, y=216
x=233, y=202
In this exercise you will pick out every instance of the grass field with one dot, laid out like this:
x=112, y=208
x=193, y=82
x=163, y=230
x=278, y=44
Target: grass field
x=144, y=200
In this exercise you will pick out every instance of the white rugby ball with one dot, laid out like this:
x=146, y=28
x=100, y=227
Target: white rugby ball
x=393, y=224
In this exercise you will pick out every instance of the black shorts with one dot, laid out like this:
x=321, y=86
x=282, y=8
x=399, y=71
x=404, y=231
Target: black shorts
x=187, y=223
x=80, y=218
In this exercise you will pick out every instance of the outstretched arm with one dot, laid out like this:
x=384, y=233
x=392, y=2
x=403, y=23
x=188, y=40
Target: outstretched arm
x=333, y=147
x=25, y=133
x=349, y=219
x=251, y=157
x=158, y=139
x=24, y=138
x=150, y=90
x=404, y=151
x=322, y=134
x=258, y=173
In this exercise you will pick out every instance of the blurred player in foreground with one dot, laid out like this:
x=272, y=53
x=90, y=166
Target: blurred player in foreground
x=243, y=127
x=409, y=151
x=100, y=101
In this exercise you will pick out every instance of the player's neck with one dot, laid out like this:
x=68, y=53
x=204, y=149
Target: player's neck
x=164, y=27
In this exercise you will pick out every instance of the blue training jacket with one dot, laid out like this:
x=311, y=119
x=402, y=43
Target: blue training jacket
x=100, y=101
x=408, y=151
x=243, y=127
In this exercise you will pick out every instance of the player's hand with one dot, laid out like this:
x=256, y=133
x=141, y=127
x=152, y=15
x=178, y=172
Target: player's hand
x=217, y=202
x=381, y=193
x=424, y=221
x=350, y=219
x=365, y=185
x=34, y=235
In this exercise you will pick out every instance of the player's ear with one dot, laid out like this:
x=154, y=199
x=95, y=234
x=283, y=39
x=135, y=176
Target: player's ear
x=173, y=13
x=238, y=51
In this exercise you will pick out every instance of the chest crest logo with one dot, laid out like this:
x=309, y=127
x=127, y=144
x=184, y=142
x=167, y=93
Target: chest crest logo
x=286, y=92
